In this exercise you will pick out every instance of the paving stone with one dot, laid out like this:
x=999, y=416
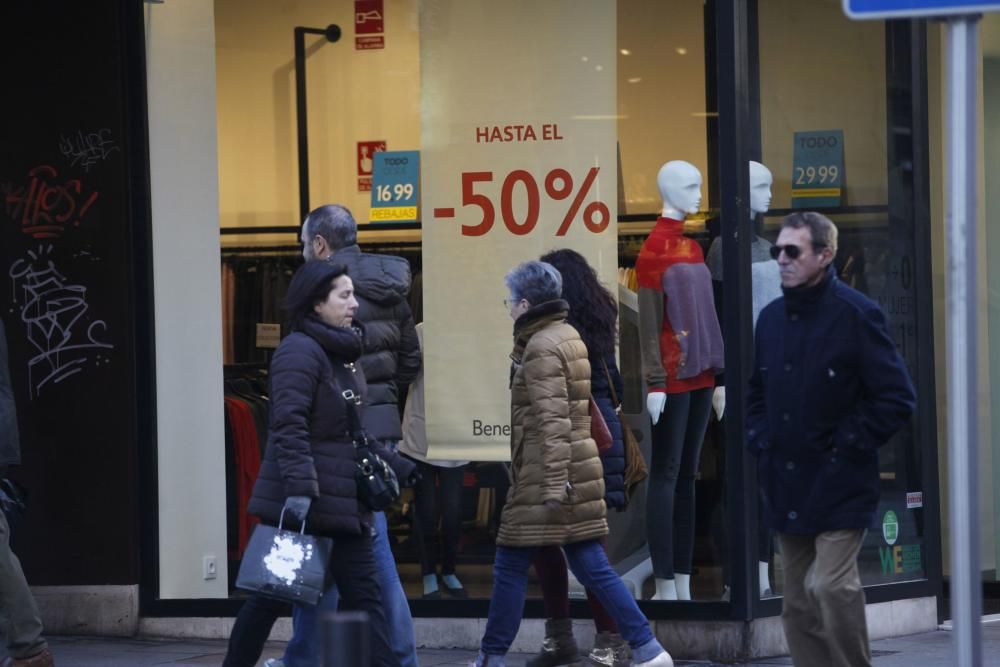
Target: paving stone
x=932, y=649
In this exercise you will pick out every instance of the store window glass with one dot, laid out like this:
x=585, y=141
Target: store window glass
x=837, y=136
x=564, y=154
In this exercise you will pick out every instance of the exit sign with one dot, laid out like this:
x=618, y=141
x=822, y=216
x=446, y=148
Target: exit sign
x=902, y=9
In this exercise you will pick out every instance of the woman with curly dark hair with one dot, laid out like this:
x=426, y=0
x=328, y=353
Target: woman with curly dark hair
x=593, y=312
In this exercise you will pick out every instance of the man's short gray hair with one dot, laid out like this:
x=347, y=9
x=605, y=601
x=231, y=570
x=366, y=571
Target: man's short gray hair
x=334, y=223
x=821, y=228
x=535, y=281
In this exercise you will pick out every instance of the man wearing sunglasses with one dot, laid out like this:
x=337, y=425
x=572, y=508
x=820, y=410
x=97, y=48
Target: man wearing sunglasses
x=828, y=389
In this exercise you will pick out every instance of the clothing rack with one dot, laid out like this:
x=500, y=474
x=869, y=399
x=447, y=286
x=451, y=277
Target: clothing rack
x=244, y=367
x=289, y=249
x=297, y=230
x=260, y=230
x=828, y=211
x=370, y=245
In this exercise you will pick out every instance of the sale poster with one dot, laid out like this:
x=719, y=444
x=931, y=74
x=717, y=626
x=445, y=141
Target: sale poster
x=395, y=186
x=818, y=169
x=518, y=157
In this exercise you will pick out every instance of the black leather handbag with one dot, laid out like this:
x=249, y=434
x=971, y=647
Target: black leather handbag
x=378, y=487
x=285, y=565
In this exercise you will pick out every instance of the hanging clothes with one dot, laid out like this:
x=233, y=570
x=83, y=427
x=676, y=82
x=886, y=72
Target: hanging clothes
x=246, y=437
x=254, y=287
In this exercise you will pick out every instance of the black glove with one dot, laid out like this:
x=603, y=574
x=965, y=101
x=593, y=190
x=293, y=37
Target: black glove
x=298, y=507
x=413, y=478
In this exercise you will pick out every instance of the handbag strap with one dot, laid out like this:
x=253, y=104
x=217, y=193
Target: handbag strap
x=611, y=384
x=352, y=399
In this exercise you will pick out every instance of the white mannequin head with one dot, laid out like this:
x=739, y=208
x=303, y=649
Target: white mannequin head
x=760, y=188
x=680, y=189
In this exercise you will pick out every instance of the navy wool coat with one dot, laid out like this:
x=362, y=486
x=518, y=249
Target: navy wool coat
x=828, y=389
x=309, y=448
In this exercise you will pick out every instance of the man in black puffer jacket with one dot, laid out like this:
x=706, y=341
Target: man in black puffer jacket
x=391, y=358
x=382, y=284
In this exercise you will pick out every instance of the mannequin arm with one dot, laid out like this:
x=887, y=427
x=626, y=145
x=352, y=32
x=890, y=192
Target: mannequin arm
x=655, y=402
x=719, y=402
x=651, y=306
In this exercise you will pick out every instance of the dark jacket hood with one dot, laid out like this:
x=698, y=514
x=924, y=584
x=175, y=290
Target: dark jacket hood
x=382, y=279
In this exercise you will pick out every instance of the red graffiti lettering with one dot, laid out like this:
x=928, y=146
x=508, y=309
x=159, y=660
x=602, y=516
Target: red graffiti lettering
x=43, y=207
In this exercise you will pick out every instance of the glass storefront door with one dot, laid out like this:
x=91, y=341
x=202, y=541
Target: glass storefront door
x=843, y=129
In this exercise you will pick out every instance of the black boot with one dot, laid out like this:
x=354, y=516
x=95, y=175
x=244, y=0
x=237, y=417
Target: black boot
x=559, y=648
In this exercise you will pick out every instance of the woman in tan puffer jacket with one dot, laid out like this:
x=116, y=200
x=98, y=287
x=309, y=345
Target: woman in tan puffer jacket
x=553, y=457
x=557, y=481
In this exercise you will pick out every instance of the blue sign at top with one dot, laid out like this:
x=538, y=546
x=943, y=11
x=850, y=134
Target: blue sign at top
x=901, y=9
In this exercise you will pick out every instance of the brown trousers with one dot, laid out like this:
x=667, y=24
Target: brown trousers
x=824, y=606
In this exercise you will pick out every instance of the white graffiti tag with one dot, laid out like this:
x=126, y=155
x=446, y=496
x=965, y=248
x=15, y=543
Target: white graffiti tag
x=87, y=148
x=53, y=312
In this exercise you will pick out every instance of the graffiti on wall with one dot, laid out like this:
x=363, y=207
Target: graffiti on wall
x=86, y=149
x=64, y=336
x=45, y=205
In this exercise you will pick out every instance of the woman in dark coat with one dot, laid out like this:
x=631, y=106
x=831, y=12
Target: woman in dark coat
x=309, y=466
x=593, y=312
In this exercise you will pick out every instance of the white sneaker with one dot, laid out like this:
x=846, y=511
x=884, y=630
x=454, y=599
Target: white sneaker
x=662, y=660
x=274, y=662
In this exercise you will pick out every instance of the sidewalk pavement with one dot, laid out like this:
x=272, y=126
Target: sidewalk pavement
x=932, y=649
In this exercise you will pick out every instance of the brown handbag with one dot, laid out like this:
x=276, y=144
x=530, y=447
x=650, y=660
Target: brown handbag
x=599, y=430
x=635, y=464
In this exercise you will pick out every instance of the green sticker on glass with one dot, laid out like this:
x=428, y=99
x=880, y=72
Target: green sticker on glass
x=912, y=559
x=890, y=527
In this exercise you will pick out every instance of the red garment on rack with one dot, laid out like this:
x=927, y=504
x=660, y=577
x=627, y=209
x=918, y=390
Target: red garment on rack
x=228, y=312
x=247, y=457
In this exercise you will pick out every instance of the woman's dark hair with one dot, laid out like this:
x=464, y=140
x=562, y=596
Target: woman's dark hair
x=310, y=285
x=593, y=311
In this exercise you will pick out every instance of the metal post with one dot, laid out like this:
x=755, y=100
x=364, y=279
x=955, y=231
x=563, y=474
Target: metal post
x=735, y=131
x=346, y=639
x=960, y=223
x=301, y=120
x=332, y=34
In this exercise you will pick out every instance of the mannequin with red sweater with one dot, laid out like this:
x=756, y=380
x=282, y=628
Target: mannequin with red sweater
x=681, y=345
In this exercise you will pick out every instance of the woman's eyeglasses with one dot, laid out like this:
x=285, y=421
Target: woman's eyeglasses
x=792, y=252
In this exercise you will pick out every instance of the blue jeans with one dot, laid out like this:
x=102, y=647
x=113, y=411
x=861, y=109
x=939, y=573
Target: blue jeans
x=304, y=648
x=589, y=563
